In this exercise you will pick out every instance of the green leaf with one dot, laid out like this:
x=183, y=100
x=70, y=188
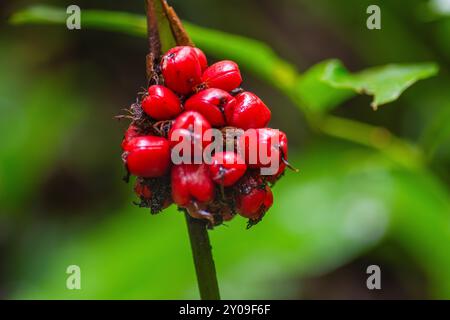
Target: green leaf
x=385, y=83
x=315, y=93
x=327, y=84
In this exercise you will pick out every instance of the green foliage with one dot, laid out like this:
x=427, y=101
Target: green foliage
x=385, y=83
x=251, y=54
x=30, y=115
x=316, y=93
x=438, y=132
x=317, y=88
x=105, y=20
x=346, y=200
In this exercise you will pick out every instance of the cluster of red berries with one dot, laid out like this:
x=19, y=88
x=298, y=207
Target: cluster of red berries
x=186, y=92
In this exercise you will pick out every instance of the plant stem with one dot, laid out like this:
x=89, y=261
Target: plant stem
x=203, y=260
x=198, y=234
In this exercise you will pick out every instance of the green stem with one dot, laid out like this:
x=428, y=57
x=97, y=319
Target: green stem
x=203, y=260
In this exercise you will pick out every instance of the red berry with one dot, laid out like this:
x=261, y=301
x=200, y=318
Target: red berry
x=227, y=168
x=254, y=200
x=147, y=156
x=191, y=183
x=192, y=98
x=181, y=69
x=247, y=111
x=132, y=132
x=223, y=75
x=210, y=104
x=273, y=178
x=188, y=130
x=262, y=145
x=161, y=103
x=201, y=58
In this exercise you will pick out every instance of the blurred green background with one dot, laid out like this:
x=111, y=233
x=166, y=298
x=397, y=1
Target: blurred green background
x=364, y=195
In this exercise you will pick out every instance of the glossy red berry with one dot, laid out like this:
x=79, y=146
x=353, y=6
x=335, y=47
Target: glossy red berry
x=247, y=111
x=147, y=156
x=161, y=103
x=132, y=132
x=273, y=178
x=210, y=103
x=188, y=132
x=254, y=200
x=265, y=148
x=181, y=69
x=191, y=183
x=201, y=58
x=191, y=98
x=223, y=75
x=261, y=146
x=227, y=168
